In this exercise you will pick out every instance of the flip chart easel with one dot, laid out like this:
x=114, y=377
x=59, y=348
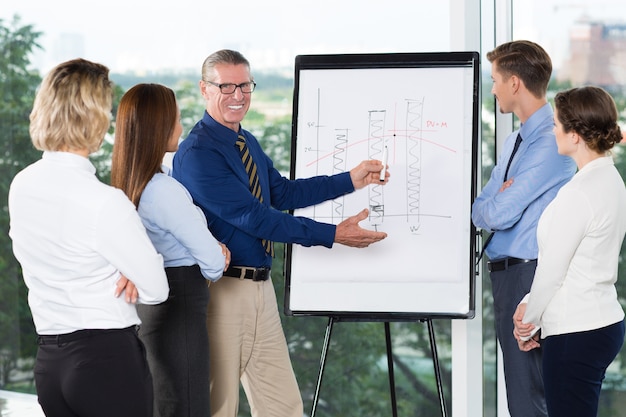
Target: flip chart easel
x=420, y=112
x=423, y=108
x=392, y=388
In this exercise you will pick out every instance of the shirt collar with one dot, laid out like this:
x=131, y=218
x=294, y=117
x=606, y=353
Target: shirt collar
x=602, y=161
x=222, y=131
x=536, y=121
x=69, y=159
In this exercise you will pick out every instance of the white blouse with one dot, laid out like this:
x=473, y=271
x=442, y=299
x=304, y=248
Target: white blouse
x=73, y=236
x=580, y=235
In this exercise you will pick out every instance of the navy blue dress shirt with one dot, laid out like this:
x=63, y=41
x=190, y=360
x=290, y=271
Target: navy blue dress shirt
x=208, y=164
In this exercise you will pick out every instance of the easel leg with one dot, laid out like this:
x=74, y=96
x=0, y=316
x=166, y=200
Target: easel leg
x=433, y=348
x=392, y=384
x=329, y=329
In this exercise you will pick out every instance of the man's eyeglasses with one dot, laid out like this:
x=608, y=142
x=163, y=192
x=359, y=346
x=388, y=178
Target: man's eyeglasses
x=229, y=88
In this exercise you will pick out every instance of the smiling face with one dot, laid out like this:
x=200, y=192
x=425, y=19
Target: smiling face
x=227, y=109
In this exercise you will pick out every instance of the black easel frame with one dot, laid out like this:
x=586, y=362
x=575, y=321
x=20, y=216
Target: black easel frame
x=392, y=386
x=318, y=146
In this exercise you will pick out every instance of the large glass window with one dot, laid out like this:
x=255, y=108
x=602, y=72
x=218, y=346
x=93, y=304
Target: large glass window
x=587, y=43
x=144, y=42
x=147, y=42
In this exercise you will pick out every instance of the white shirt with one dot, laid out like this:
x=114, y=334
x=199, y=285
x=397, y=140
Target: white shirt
x=73, y=235
x=580, y=235
x=178, y=228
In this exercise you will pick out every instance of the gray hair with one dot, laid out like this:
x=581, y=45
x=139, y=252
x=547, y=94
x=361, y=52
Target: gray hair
x=224, y=56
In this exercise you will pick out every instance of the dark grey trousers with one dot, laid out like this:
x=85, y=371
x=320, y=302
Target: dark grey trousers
x=177, y=345
x=522, y=370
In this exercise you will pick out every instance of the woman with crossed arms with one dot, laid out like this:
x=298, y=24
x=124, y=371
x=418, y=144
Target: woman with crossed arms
x=79, y=241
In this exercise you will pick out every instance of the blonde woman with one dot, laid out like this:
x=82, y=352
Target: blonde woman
x=77, y=241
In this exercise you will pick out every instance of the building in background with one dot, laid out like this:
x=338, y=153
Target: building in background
x=597, y=55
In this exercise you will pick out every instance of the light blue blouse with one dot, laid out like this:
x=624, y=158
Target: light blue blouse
x=178, y=228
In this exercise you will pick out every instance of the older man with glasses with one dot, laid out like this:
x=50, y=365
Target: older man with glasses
x=244, y=199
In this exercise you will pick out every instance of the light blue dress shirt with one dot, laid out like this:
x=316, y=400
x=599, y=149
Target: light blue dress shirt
x=538, y=172
x=177, y=228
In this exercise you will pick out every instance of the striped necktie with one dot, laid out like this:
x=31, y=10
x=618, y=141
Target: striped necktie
x=255, y=186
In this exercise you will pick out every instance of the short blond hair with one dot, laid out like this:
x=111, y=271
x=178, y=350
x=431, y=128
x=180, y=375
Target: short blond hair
x=72, y=108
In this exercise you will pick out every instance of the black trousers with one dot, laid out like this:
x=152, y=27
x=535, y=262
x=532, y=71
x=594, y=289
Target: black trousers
x=177, y=343
x=574, y=366
x=103, y=374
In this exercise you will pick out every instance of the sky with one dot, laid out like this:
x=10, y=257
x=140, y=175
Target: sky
x=144, y=36
x=141, y=35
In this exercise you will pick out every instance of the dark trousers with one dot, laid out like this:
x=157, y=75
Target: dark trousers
x=522, y=370
x=177, y=344
x=102, y=375
x=574, y=365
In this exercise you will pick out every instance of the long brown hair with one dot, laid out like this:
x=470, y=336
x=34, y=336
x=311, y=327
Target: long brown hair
x=145, y=122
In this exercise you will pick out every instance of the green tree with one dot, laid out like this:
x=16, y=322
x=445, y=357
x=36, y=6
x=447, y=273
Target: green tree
x=18, y=82
x=190, y=103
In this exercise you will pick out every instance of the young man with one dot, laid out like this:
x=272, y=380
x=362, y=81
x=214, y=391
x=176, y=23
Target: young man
x=526, y=178
x=243, y=197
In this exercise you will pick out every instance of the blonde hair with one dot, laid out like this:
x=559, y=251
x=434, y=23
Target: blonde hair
x=72, y=108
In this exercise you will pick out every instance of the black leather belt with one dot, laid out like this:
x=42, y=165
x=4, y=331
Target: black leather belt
x=59, y=339
x=505, y=263
x=255, y=274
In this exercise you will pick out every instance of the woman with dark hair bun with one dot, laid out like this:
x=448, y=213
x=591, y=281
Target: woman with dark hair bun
x=573, y=302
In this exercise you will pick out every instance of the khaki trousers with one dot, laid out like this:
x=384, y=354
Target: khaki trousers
x=247, y=344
